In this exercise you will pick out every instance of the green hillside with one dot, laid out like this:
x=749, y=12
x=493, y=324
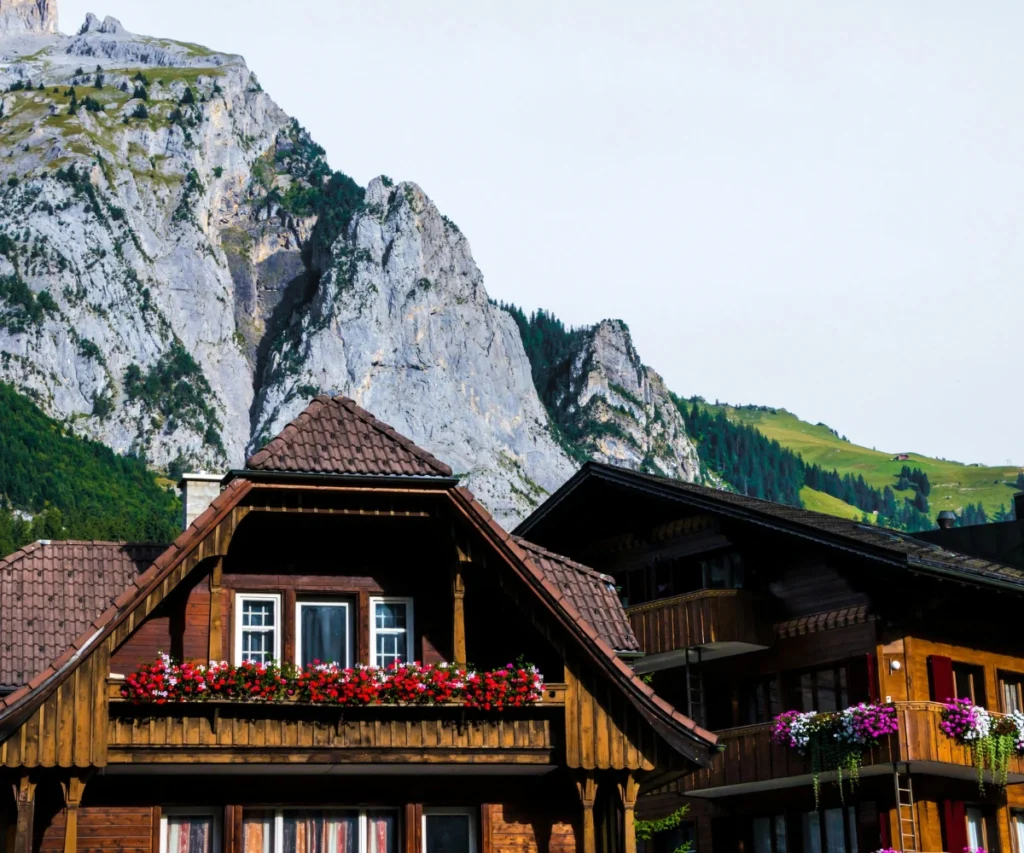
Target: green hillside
x=954, y=485
x=55, y=485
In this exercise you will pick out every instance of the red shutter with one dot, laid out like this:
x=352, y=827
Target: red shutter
x=873, y=692
x=883, y=831
x=955, y=821
x=941, y=670
x=863, y=679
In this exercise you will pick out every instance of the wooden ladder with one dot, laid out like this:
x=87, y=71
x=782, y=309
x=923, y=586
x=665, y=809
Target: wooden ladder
x=905, y=809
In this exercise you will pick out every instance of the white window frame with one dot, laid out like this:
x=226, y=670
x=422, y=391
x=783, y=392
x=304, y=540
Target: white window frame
x=471, y=813
x=409, y=643
x=362, y=843
x=335, y=602
x=240, y=599
x=182, y=811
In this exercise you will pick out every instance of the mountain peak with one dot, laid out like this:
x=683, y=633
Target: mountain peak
x=36, y=17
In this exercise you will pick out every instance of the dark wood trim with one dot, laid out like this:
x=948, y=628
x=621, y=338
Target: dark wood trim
x=316, y=584
x=157, y=815
x=289, y=600
x=362, y=651
x=486, y=844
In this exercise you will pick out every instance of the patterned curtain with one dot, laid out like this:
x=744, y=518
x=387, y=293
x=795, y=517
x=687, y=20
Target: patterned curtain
x=317, y=832
x=192, y=834
x=258, y=833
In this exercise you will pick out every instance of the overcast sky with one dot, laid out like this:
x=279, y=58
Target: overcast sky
x=815, y=206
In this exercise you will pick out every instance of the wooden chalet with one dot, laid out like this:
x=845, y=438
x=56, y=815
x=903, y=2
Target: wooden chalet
x=745, y=609
x=340, y=541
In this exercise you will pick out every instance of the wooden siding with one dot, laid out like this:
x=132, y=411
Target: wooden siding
x=69, y=728
x=527, y=829
x=232, y=732
x=126, y=829
x=705, y=616
x=749, y=755
x=601, y=732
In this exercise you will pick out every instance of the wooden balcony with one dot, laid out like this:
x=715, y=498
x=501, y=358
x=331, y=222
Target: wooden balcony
x=719, y=621
x=749, y=761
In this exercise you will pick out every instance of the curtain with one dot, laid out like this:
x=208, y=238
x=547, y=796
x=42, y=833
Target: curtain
x=317, y=832
x=941, y=670
x=258, y=833
x=762, y=830
x=189, y=834
x=811, y=831
x=835, y=831
x=324, y=633
x=381, y=831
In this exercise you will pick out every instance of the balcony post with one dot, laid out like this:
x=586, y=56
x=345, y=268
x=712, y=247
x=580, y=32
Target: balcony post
x=73, y=790
x=628, y=791
x=587, y=788
x=25, y=799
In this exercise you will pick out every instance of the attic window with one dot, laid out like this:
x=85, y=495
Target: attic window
x=257, y=628
x=390, y=630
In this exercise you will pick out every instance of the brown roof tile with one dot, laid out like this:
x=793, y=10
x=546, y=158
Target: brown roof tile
x=50, y=593
x=335, y=436
x=590, y=592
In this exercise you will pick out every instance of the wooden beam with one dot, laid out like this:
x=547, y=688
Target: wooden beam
x=586, y=785
x=463, y=556
x=25, y=800
x=629, y=788
x=73, y=790
x=216, y=650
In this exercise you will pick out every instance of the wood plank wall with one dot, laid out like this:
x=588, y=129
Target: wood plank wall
x=602, y=731
x=101, y=829
x=70, y=728
x=527, y=829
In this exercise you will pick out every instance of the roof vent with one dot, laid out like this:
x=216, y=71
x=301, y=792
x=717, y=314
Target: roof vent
x=947, y=519
x=197, y=493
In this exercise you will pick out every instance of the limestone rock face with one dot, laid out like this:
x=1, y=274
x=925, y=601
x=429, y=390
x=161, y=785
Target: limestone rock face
x=28, y=16
x=401, y=322
x=624, y=408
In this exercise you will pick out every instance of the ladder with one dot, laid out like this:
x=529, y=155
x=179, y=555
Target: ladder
x=905, y=808
x=694, y=689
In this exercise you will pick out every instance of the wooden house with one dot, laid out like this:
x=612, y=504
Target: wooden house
x=340, y=541
x=746, y=609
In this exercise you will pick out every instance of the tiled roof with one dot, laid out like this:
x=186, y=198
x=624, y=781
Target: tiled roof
x=877, y=542
x=591, y=593
x=335, y=436
x=51, y=591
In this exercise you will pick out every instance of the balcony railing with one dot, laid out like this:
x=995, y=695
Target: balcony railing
x=750, y=759
x=702, y=618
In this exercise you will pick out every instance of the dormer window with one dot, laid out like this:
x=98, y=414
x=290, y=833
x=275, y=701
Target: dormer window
x=323, y=633
x=390, y=630
x=257, y=628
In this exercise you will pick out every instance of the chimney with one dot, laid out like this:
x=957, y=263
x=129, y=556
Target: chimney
x=197, y=493
x=946, y=519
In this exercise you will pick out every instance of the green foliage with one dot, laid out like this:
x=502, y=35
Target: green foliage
x=20, y=308
x=218, y=171
x=82, y=188
x=99, y=81
x=140, y=93
x=188, y=98
x=176, y=389
x=186, y=207
x=646, y=829
x=75, y=488
x=92, y=105
x=341, y=200
x=140, y=112
x=141, y=78
x=384, y=179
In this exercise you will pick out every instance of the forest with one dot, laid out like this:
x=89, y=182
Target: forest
x=56, y=485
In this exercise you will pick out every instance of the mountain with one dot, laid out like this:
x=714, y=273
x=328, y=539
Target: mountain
x=181, y=270
x=37, y=17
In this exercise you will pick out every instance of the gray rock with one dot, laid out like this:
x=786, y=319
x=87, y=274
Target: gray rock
x=28, y=16
x=108, y=26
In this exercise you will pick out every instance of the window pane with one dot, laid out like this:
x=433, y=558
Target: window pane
x=851, y=822
x=762, y=835
x=1018, y=828
x=324, y=633
x=190, y=834
x=826, y=679
x=1010, y=697
x=391, y=614
x=975, y=829
x=381, y=828
x=780, y=834
x=258, y=646
x=835, y=831
x=447, y=833
x=257, y=614
x=257, y=833
x=811, y=831
x=807, y=692
x=320, y=832
x=390, y=649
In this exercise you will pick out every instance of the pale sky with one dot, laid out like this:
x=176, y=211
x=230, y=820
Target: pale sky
x=810, y=205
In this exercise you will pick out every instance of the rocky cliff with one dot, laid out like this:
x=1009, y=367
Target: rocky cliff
x=28, y=16
x=180, y=271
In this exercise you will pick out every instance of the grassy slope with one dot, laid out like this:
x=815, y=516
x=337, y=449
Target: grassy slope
x=953, y=484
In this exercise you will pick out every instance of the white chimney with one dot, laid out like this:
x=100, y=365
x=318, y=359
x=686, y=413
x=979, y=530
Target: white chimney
x=197, y=493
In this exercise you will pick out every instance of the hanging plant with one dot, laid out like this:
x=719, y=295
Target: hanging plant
x=647, y=829
x=835, y=740
x=992, y=741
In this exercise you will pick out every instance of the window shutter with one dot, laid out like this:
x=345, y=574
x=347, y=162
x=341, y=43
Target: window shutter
x=941, y=671
x=863, y=679
x=873, y=692
x=955, y=823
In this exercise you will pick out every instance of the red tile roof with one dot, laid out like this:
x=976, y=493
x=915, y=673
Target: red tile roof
x=50, y=592
x=335, y=436
x=591, y=593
